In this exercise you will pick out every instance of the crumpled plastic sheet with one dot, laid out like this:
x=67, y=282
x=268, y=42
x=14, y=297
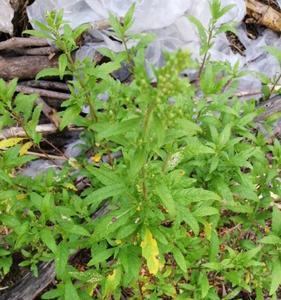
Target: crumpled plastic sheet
x=168, y=22
x=37, y=167
x=6, y=16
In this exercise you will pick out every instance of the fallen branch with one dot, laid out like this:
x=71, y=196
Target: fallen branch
x=20, y=132
x=48, y=156
x=43, y=129
x=29, y=286
x=19, y=42
x=24, y=67
x=36, y=51
x=271, y=107
x=101, y=25
x=47, y=85
x=42, y=92
x=247, y=94
x=264, y=15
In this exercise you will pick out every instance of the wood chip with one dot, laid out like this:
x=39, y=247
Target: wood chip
x=264, y=15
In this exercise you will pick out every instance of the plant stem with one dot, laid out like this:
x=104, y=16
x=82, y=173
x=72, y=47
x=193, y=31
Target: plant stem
x=147, y=117
x=144, y=186
x=275, y=84
x=210, y=37
x=129, y=57
x=93, y=114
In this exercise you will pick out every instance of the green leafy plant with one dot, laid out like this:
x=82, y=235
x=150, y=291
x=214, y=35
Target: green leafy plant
x=189, y=211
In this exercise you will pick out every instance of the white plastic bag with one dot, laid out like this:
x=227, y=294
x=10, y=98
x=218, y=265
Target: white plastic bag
x=6, y=16
x=167, y=20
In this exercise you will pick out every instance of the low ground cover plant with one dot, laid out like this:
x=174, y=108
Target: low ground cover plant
x=191, y=209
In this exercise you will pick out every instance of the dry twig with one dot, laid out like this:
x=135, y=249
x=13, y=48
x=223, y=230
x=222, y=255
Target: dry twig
x=42, y=92
x=44, y=129
x=49, y=112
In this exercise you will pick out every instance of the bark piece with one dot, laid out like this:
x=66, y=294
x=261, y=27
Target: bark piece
x=36, y=51
x=47, y=85
x=271, y=106
x=19, y=131
x=17, y=42
x=264, y=15
x=24, y=67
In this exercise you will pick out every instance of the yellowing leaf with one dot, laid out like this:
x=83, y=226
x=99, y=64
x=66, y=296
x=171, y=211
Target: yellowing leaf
x=8, y=143
x=112, y=282
x=25, y=147
x=208, y=230
x=70, y=186
x=21, y=196
x=74, y=163
x=150, y=252
x=248, y=277
x=96, y=158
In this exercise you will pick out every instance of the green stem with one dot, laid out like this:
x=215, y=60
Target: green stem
x=144, y=185
x=93, y=114
x=147, y=118
x=129, y=57
x=274, y=85
x=210, y=37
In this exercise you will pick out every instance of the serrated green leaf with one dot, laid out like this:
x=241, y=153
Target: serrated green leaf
x=271, y=240
x=24, y=104
x=188, y=217
x=117, y=129
x=100, y=257
x=52, y=294
x=225, y=135
x=69, y=116
x=95, y=198
x=166, y=198
x=201, y=29
x=275, y=52
x=180, y=259
x=62, y=65
x=89, y=276
x=276, y=221
x=275, y=276
x=130, y=258
x=48, y=239
x=70, y=292
x=61, y=260
x=204, y=284
x=200, y=195
x=50, y=72
x=205, y=211
x=75, y=229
